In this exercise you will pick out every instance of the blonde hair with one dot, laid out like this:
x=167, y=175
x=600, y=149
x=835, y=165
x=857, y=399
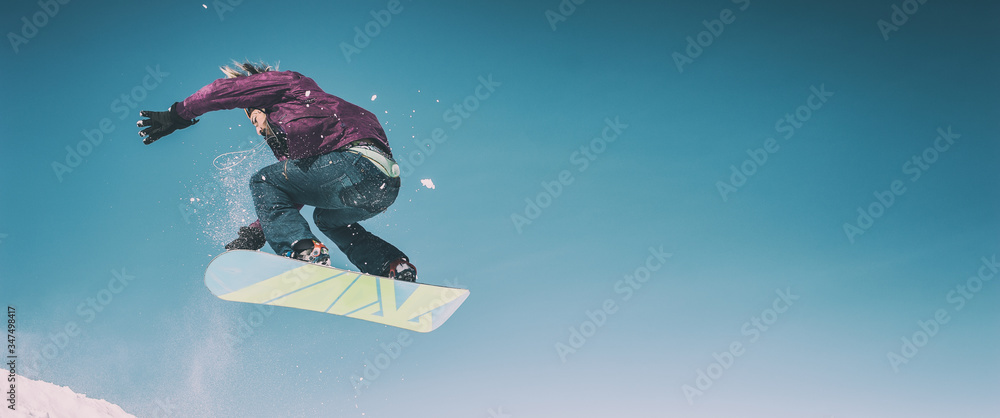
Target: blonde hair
x=246, y=68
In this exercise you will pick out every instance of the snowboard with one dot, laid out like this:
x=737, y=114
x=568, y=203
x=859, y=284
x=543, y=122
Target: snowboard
x=264, y=278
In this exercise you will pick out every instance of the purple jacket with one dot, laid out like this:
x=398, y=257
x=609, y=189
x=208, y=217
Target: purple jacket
x=314, y=121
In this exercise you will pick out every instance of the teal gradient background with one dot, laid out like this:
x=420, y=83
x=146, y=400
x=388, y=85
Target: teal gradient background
x=162, y=345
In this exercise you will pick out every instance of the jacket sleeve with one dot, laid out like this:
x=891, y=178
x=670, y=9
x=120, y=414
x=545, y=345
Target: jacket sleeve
x=257, y=91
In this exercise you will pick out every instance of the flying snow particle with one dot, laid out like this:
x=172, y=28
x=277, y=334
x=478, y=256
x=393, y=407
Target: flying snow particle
x=374, y=96
x=428, y=183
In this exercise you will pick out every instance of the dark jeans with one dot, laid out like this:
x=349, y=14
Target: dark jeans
x=344, y=187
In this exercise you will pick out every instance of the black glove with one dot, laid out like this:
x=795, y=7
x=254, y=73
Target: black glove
x=249, y=238
x=161, y=124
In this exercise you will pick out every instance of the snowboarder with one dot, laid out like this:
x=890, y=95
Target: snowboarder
x=332, y=155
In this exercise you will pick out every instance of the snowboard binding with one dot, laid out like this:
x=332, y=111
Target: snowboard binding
x=310, y=251
x=402, y=270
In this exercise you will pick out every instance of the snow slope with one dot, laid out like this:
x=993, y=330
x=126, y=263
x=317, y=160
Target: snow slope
x=43, y=399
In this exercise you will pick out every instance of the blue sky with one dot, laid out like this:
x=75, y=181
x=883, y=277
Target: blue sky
x=162, y=345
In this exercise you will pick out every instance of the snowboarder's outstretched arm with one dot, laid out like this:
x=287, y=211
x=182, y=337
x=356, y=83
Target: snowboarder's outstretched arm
x=254, y=91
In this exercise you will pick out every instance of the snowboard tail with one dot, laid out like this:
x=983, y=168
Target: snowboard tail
x=268, y=279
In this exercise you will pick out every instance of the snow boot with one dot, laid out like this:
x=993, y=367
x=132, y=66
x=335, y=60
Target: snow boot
x=401, y=269
x=311, y=251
